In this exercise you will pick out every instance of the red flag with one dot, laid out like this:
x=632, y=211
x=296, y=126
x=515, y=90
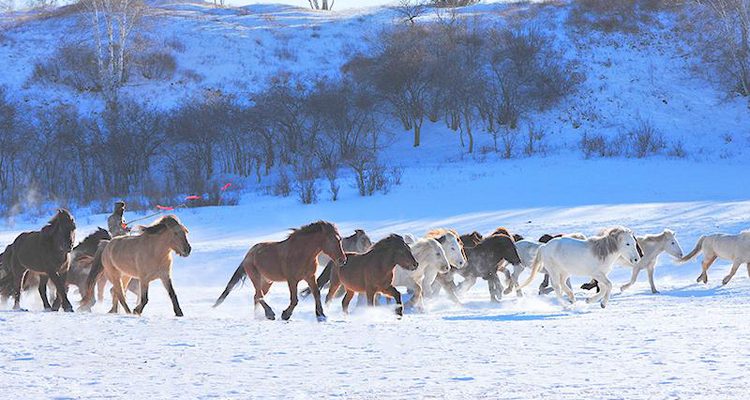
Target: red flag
x=193, y=197
x=226, y=186
x=165, y=208
x=124, y=225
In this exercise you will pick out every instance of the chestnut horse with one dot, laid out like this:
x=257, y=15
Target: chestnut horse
x=471, y=239
x=372, y=272
x=44, y=252
x=146, y=256
x=291, y=260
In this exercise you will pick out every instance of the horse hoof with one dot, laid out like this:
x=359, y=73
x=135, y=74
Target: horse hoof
x=322, y=318
x=285, y=316
x=725, y=281
x=655, y=292
x=271, y=317
x=70, y=309
x=603, y=305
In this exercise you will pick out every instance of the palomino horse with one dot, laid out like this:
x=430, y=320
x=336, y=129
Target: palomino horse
x=651, y=246
x=146, y=256
x=291, y=260
x=44, y=252
x=431, y=258
x=593, y=257
x=735, y=248
x=373, y=272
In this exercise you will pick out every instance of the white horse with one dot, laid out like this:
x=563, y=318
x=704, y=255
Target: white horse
x=734, y=248
x=431, y=257
x=652, y=246
x=527, y=250
x=454, y=251
x=593, y=257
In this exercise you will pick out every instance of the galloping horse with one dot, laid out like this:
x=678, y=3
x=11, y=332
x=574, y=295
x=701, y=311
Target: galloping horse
x=43, y=252
x=146, y=256
x=651, y=247
x=593, y=257
x=735, y=248
x=373, y=272
x=291, y=260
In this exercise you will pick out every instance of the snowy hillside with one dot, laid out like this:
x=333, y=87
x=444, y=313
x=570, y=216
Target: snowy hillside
x=690, y=341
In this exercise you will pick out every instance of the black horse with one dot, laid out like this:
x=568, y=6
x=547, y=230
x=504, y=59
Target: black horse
x=44, y=252
x=482, y=262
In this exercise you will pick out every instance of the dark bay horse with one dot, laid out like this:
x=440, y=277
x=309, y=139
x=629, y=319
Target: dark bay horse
x=372, y=272
x=471, y=239
x=483, y=260
x=291, y=260
x=45, y=252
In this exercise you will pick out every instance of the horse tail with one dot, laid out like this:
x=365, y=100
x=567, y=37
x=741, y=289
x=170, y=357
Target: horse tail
x=97, y=267
x=536, y=265
x=696, y=250
x=238, y=276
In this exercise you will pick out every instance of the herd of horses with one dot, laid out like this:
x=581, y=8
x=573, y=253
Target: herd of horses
x=352, y=265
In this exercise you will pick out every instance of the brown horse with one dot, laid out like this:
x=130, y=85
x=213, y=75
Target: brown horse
x=372, y=272
x=44, y=252
x=291, y=260
x=147, y=256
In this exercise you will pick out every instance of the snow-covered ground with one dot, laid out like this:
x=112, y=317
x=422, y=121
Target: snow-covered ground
x=689, y=341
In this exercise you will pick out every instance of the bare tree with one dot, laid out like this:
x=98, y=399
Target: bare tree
x=733, y=17
x=7, y=5
x=410, y=10
x=113, y=22
x=315, y=5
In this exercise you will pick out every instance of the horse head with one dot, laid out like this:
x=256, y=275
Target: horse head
x=61, y=230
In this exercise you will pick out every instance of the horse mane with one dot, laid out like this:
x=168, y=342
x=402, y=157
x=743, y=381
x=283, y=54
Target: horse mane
x=62, y=215
x=161, y=224
x=606, y=243
x=423, y=245
x=438, y=233
x=315, y=227
x=92, y=240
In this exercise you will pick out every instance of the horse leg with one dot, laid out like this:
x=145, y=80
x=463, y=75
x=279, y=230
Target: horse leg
x=517, y=269
x=651, y=280
x=449, y=287
x=17, y=287
x=118, y=296
x=61, y=290
x=370, y=296
x=313, y=285
x=733, y=271
x=143, y=284
x=345, y=302
x=465, y=285
x=707, y=261
x=748, y=269
x=167, y=282
x=43, y=292
x=286, y=314
x=416, y=297
x=101, y=284
x=607, y=290
x=633, y=278
x=58, y=300
x=567, y=290
x=555, y=284
x=496, y=288
x=599, y=296
x=544, y=287
x=393, y=292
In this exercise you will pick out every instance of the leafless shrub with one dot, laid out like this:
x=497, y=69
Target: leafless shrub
x=283, y=186
x=305, y=181
x=593, y=145
x=509, y=138
x=73, y=65
x=452, y=3
x=534, y=142
x=372, y=176
x=647, y=140
x=156, y=65
x=677, y=150
x=612, y=15
x=175, y=44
